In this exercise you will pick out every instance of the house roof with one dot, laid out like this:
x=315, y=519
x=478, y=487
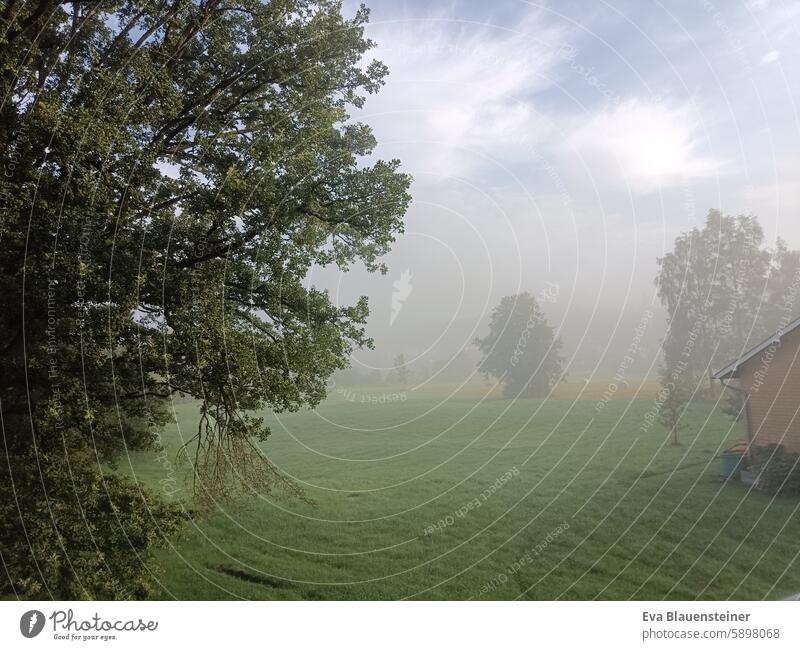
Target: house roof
x=731, y=370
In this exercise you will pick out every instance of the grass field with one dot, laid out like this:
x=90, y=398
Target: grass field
x=437, y=497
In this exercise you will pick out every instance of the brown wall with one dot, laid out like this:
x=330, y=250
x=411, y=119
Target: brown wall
x=772, y=381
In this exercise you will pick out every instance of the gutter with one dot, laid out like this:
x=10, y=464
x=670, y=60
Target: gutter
x=746, y=397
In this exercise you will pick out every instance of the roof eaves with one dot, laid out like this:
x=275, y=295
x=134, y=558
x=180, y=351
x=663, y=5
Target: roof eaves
x=730, y=370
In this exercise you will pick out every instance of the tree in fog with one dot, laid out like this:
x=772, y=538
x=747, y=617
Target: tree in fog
x=172, y=172
x=723, y=290
x=399, y=373
x=782, y=296
x=521, y=349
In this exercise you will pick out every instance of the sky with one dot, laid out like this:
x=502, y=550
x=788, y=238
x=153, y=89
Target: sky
x=559, y=148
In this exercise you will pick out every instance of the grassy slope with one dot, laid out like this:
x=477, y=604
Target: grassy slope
x=646, y=520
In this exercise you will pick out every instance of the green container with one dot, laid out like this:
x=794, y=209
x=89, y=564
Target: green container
x=730, y=465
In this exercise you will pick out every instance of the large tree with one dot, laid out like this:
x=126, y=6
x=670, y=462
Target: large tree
x=724, y=290
x=716, y=287
x=172, y=170
x=521, y=349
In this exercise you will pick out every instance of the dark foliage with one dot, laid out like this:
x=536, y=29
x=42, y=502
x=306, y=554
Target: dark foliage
x=172, y=169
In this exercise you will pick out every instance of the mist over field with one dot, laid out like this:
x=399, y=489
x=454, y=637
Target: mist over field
x=554, y=145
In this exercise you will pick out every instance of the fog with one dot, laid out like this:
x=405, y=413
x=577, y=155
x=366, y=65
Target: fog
x=552, y=147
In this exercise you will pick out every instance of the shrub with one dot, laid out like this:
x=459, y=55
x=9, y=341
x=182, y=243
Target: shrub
x=778, y=471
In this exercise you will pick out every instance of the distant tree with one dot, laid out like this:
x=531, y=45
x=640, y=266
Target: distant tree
x=733, y=403
x=172, y=170
x=521, y=349
x=399, y=373
x=674, y=397
x=779, y=306
x=781, y=303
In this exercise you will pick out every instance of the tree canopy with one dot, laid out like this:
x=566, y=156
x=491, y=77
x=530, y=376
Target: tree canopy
x=521, y=349
x=173, y=169
x=724, y=290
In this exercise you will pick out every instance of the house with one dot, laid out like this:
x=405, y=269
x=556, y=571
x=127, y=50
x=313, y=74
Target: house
x=769, y=378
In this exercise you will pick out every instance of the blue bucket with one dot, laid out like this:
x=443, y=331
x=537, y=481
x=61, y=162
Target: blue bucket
x=730, y=465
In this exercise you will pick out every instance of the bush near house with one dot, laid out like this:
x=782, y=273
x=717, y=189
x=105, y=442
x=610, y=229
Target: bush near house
x=778, y=471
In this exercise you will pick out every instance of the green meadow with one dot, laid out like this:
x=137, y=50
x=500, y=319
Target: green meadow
x=467, y=496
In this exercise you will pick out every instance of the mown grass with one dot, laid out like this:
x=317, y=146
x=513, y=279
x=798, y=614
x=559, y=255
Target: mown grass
x=595, y=507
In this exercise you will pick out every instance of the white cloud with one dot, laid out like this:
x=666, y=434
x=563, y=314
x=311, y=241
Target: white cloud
x=771, y=56
x=460, y=88
x=757, y=5
x=643, y=145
